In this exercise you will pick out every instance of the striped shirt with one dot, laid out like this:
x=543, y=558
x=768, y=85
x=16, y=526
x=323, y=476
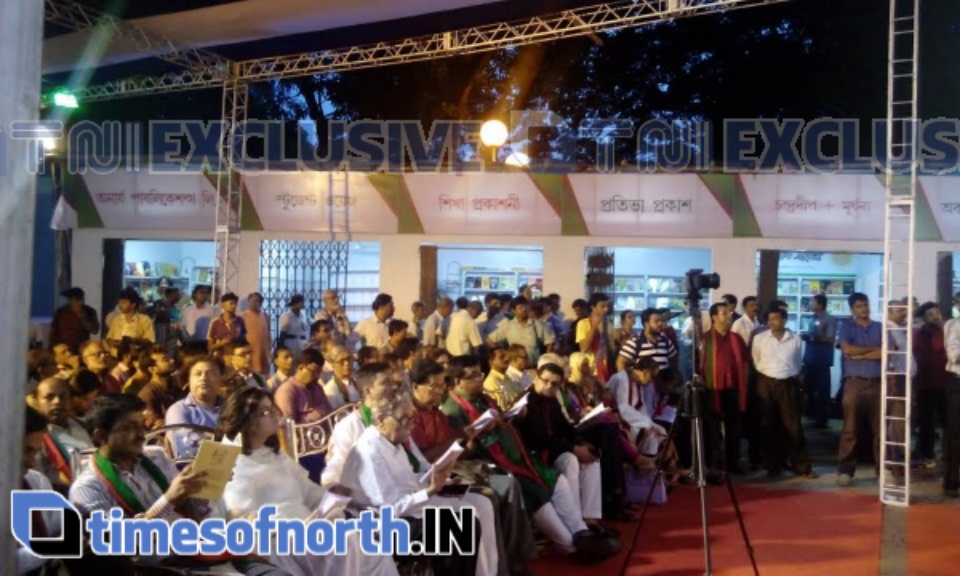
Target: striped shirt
x=662, y=349
x=89, y=493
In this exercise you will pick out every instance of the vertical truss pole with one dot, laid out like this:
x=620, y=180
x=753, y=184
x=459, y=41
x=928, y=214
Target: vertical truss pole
x=229, y=185
x=898, y=250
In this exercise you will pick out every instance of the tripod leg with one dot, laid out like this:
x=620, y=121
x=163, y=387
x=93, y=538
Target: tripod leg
x=743, y=527
x=702, y=484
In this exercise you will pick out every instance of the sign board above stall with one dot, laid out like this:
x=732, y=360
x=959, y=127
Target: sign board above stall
x=806, y=206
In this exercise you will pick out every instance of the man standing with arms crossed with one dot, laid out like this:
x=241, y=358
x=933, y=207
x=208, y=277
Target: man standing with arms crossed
x=861, y=341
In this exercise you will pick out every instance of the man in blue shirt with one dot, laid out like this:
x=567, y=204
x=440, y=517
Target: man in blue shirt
x=861, y=340
x=818, y=359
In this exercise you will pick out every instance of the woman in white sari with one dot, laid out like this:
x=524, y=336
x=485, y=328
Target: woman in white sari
x=263, y=476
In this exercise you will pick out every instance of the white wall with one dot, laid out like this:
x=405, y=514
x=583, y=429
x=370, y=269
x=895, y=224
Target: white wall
x=660, y=261
x=733, y=258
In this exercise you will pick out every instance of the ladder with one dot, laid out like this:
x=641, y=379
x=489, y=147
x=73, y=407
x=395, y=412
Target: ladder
x=900, y=179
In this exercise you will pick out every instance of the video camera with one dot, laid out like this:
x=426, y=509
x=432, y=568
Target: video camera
x=697, y=281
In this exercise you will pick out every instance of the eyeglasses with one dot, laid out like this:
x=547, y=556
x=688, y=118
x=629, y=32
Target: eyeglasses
x=473, y=376
x=98, y=354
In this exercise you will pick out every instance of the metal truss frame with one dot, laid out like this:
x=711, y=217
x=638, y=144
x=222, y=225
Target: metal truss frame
x=69, y=14
x=567, y=24
x=230, y=186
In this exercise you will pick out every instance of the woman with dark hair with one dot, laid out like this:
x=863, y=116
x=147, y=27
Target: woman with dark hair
x=263, y=475
x=204, y=376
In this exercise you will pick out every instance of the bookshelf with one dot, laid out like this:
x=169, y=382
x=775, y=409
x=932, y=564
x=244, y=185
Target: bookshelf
x=798, y=292
x=475, y=283
x=639, y=291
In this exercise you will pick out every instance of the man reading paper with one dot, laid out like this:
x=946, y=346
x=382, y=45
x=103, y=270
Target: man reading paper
x=547, y=495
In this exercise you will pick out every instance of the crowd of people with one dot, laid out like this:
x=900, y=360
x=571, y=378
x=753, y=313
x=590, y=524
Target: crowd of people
x=556, y=416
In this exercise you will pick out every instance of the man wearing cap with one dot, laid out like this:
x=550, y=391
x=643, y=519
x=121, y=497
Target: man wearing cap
x=228, y=327
x=293, y=330
x=129, y=323
x=74, y=323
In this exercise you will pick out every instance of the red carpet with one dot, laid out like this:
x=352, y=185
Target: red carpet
x=932, y=531
x=793, y=532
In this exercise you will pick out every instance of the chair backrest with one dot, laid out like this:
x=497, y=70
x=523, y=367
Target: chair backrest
x=80, y=459
x=161, y=437
x=300, y=440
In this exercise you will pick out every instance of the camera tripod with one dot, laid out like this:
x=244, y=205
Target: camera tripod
x=692, y=404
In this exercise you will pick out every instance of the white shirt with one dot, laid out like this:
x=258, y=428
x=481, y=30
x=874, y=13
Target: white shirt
x=705, y=324
x=378, y=473
x=463, y=335
x=372, y=332
x=951, y=332
x=276, y=380
x=334, y=395
x=779, y=359
x=744, y=326
x=296, y=330
x=344, y=436
x=433, y=330
x=196, y=321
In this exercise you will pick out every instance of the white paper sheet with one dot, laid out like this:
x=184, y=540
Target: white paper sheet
x=597, y=410
x=448, y=458
x=518, y=407
x=484, y=420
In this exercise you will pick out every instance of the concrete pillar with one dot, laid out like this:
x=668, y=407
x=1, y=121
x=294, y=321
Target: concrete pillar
x=21, y=38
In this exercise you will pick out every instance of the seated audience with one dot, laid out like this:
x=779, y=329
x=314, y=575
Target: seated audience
x=340, y=388
x=301, y=397
x=283, y=361
x=547, y=494
x=433, y=435
x=200, y=407
x=65, y=434
x=142, y=482
x=384, y=469
x=265, y=476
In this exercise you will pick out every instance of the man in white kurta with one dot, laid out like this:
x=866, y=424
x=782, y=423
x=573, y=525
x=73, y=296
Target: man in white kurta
x=379, y=473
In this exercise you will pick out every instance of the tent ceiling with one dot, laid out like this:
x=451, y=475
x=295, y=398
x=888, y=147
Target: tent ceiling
x=212, y=24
